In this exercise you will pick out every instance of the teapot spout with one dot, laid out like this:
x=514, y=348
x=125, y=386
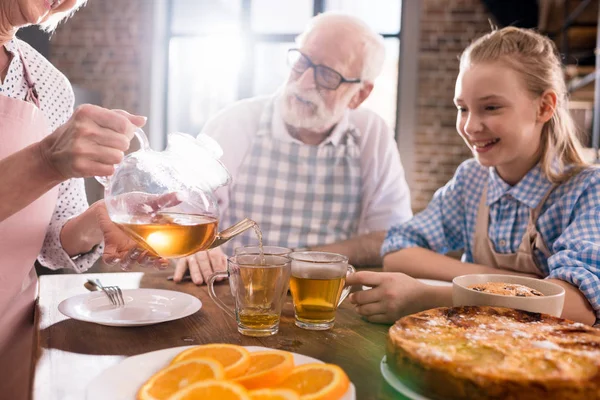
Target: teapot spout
x=227, y=234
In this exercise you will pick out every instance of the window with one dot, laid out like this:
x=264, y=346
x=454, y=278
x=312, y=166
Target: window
x=221, y=51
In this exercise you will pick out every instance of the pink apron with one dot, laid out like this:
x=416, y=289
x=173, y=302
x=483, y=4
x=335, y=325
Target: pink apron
x=21, y=237
x=524, y=259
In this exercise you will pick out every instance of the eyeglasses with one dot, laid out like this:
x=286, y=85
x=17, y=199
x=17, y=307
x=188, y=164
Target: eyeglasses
x=325, y=77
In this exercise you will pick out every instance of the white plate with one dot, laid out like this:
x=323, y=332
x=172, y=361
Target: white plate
x=397, y=384
x=122, y=381
x=142, y=307
x=431, y=282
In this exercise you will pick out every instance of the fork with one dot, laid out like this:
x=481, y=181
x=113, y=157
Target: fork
x=114, y=293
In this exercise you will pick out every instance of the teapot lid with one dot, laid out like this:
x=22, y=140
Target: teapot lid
x=198, y=160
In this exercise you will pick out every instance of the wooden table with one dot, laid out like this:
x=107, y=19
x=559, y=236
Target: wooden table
x=74, y=352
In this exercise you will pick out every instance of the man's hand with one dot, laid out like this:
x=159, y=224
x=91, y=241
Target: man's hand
x=393, y=295
x=201, y=265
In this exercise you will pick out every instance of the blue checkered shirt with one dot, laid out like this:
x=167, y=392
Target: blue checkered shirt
x=569, y=222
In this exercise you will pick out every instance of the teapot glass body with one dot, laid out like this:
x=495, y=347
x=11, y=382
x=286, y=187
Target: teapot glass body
x=165, y=200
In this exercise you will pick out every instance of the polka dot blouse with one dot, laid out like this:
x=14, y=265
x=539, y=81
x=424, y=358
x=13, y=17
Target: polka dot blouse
x=56, y=102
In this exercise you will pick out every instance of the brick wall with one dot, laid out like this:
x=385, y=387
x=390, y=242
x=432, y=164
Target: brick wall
x=447, y=27
x=103, y=47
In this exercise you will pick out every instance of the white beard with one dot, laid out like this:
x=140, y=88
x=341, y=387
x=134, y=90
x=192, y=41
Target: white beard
x=322, y=118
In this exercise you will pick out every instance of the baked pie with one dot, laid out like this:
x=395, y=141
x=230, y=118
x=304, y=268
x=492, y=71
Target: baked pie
x=495, y=353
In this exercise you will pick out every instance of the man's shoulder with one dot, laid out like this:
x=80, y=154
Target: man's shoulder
x=369, y=125
x=364, y=116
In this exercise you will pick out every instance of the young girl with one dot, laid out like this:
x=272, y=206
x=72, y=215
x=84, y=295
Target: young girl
x=527, y=204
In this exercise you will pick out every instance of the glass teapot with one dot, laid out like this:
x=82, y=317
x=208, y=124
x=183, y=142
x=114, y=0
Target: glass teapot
x=165, y=200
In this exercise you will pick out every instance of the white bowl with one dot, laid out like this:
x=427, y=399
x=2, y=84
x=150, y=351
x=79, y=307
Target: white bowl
x=551, y=303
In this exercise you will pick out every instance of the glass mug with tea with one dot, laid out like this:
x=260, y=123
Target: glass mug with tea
x=259, y=285
x=318, y=287
x=165, y=200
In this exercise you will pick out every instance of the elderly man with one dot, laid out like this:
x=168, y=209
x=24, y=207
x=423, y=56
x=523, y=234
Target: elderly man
x=308, y=166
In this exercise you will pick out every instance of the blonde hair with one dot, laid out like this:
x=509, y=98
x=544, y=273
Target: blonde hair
x=370, y=42
x=52, y=22
x=536, y=59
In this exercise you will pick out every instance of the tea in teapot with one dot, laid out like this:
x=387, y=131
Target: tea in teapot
x=173, y=235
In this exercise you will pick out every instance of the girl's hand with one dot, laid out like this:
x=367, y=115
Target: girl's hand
x=393, y=295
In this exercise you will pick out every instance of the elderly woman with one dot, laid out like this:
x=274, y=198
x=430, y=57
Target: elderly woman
x=46, y=149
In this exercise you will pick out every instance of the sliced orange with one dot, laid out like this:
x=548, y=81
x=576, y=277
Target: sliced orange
x=235, y=359
x=274, y=394
x=175, y=377
x=212, y=390
x=317, y=382
x=267, y=369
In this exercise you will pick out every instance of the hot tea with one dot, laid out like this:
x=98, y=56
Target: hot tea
x=259, y=285
x=316, y=299
x=258, y=319
x=172, y=235
x=318, y=287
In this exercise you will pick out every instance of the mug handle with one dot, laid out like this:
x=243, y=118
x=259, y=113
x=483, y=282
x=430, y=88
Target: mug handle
x=144, y=145
x=213, y=295
x=347, y=289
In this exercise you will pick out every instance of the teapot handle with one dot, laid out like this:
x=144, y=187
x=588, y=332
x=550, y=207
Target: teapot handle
x=144, y=146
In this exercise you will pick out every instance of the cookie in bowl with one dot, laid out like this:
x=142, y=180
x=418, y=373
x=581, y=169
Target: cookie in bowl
x=506, y=289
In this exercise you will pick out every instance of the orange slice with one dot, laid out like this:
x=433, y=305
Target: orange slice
x=317, y=382
x=174, y=377
x=267, y=369
x=274, y=394
x=235, y=359
x=212, y=390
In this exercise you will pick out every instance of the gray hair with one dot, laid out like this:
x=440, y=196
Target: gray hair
x=372, y=43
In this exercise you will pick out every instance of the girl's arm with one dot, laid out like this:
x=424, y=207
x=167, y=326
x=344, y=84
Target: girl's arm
x=576, y=308
x=426, y=264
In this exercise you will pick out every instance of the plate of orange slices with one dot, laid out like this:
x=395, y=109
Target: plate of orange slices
x=221, y=372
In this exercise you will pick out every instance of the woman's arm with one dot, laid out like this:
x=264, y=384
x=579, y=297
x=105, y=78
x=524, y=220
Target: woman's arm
x=89, y=144
x=26, y=175
x=80, y=234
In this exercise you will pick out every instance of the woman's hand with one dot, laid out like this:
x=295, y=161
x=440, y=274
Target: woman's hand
x=393, y=295
x=120, y=248
x=90, y=143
